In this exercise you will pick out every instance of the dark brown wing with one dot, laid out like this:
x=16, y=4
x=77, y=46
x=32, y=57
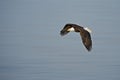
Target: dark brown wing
x=64, y=30
x=85, y=35
x=67, y=26
x=86, y=39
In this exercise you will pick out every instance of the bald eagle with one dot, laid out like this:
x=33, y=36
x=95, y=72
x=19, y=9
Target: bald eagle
x=84, y=32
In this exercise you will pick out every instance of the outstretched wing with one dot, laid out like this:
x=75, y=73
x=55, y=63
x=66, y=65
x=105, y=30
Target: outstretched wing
x=86, y=39
x=64, y=31
x=85, y=35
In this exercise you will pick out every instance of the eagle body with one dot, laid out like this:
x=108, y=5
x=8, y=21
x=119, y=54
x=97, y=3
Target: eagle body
x=84, y=32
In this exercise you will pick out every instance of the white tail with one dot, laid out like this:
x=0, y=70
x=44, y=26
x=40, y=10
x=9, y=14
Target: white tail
x=87, y=29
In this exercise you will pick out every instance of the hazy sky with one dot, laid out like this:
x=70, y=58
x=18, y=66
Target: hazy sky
x=30, y=40
x=92, y=13
x=26, y=23
x=39, y=17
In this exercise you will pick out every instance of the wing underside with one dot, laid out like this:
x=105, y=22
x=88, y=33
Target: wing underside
x=86, y=39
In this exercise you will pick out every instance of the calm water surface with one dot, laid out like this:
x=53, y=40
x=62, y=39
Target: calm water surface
x=32, y=49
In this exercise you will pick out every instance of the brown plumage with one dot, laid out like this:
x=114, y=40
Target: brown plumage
x=84, y=32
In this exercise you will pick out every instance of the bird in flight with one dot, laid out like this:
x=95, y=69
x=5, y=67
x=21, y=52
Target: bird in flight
x=84, y=32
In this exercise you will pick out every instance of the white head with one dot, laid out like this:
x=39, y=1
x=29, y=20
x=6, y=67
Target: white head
x=87, y=29
x=71, y=29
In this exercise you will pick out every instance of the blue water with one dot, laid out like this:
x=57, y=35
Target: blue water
x=32, y=49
